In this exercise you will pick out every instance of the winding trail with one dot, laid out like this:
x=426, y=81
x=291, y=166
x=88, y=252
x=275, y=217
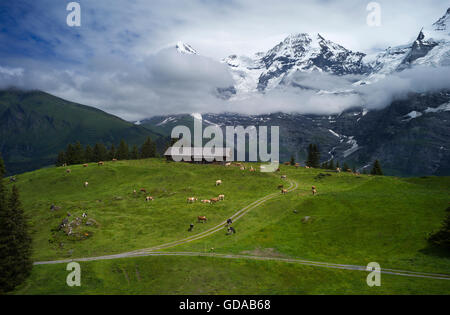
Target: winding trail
x=153, y=251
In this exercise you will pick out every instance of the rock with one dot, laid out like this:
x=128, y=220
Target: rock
x=306, y=219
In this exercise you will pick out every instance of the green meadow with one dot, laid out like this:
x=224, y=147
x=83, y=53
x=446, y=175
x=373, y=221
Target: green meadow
x=352, y=220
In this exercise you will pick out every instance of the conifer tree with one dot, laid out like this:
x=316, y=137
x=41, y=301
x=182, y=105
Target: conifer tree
x=122, y=152
x=134, y=155
x=61, y=158
x=345, y=167
x=112, y=154
x=100, y=152
x=148, y=149
x=70, y=154
x=78, y=153
x=15, y=242
x=309, y=160
x=315, y=157
x=376, y=170
x=442, y=237
x=88, y=154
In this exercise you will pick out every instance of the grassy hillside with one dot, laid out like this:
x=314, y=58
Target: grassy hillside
x=35, y=126
x=352, y=220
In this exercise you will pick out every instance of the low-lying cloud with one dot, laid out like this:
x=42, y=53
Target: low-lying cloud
x=169, y=82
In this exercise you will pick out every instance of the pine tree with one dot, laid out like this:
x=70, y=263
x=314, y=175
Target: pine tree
x=78, y=153
x=134, y=154
x=15, y=242
x=122, y=152
x=70, y=154
x=442, y=237
x=292, y=160
x=100, y=152
x=315, y=157
x=88, y=154
x=61, y=159
x=309, y=160
x=148, y=149
x=337, y=164
x=376, y=170
x=112, y=152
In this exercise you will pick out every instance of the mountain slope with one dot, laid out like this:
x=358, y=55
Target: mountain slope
x=35, y=125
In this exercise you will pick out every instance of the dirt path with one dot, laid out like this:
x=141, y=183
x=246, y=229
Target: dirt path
x=153, y=251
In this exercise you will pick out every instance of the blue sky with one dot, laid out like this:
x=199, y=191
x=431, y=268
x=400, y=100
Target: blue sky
x=120, y=35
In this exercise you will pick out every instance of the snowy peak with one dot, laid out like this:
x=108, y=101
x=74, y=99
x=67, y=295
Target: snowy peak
x=185, y=49
x=443, y=23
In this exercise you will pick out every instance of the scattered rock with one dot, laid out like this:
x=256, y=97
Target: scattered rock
x=306, y=219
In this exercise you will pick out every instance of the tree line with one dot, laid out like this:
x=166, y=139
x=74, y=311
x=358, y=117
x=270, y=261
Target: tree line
x=313, y=160
x=15, y=241
x=77, y=154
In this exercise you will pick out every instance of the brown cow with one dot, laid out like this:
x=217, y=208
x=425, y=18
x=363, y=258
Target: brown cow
x=68, y=170
x=100, y=163
x=149, y=198
x=192, y=200
x=114, y=160
x=206, y=201
x=143, y=190
x=214, y=200
x=202, y=219
x=284, y=191
x=85, y=165
x=283, y=176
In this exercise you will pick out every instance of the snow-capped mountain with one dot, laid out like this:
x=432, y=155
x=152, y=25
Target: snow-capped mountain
x=298, y=52
x=410, y=136
x=185, y=49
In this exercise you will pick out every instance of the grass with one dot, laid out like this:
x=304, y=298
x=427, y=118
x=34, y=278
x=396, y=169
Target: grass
x=127, y=222
x=207, y=275
x=353, y=220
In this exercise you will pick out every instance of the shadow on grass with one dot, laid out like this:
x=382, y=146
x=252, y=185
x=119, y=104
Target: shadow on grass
x=434, y=250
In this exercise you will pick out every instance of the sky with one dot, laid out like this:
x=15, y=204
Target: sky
x=120, y=58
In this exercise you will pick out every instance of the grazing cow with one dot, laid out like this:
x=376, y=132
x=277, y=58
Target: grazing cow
x=280, y=186
x=338, y=170
x=283, y=176
x=12, y=179
x=284, y=191
x=84, y=215
x=231, y=230
x=278, y=169
x=64, y=165
x=134, y=192
x=143, y=190
x=68, y=171
x=221, y=197
x=149, y=198
x=252, y=169
x=114, y=160
x=229, y=221
x=287, y=163
x=214, y=200
x=85, y=165
x=191, y=227
x=314, y=190
x=192, y=200
x=100, y=163
x=86, y=184
x=206, y=201
x=238, y=164
x=218, y=182
x=227, y=164
x=307, y=167
x=242, y=168
x=202, y=219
